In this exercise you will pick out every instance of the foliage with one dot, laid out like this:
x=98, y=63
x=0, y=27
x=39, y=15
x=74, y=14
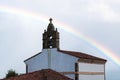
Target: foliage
x=11, y=73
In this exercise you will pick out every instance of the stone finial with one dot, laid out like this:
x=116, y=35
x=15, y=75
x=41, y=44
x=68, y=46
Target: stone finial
x=50, y=20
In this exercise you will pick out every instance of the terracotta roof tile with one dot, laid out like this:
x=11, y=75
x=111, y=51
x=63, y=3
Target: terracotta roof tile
x=81, y=55
x=45, y=74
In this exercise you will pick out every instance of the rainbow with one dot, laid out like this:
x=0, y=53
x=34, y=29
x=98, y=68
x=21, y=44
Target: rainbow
x=41, y=17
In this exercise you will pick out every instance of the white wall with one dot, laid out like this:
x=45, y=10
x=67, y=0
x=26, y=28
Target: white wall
x=88, y=67
x=59, y=61
x=91, y=77
x=37, y=63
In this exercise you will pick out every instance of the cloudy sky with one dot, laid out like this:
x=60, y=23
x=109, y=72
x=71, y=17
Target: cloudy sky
x=23, y=22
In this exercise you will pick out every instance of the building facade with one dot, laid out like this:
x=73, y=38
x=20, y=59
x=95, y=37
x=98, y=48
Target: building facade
x=75, y=65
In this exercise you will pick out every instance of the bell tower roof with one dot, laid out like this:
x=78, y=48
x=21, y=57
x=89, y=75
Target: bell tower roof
x=50, y=26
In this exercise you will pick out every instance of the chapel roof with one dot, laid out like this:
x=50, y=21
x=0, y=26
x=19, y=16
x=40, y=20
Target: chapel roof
x=79, y=55
x=84, y=57
x=44, y=74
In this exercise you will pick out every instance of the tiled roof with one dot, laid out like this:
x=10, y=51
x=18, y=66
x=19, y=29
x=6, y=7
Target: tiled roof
x=75, y=54
x=81, y=55
x=44, y=74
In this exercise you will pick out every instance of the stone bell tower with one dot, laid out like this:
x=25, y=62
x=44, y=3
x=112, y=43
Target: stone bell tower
x=50, y=37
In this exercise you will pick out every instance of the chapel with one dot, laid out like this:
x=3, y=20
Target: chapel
x=72, y=64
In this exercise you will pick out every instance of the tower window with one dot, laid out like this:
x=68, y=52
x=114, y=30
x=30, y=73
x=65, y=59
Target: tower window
x=50, y=37
x=51, y=47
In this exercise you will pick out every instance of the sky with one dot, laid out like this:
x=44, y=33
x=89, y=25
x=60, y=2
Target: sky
x=91, y=25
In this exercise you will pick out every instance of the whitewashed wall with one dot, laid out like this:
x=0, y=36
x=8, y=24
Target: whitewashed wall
x=88, y=67
x=60, y=62
x=37, y=63
x=91, y=77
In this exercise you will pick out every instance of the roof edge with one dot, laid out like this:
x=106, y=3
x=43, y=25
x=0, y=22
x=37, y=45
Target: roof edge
x=81, y=55
x=32, y=56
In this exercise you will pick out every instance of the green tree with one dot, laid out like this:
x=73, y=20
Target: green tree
x=11, y=73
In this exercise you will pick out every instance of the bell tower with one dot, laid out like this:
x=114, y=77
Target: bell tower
x=50, y=37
